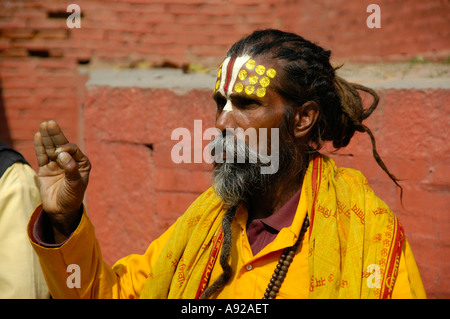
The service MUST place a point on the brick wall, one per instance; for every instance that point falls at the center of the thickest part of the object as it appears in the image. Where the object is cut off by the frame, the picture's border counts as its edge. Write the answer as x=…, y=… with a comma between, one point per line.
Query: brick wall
x=44, y=67
x=40, y=55
x=129, y=144
x=134, y=180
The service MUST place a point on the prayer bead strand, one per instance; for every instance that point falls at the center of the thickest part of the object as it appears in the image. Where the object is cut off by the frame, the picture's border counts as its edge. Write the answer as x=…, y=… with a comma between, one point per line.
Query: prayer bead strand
x=280, y=272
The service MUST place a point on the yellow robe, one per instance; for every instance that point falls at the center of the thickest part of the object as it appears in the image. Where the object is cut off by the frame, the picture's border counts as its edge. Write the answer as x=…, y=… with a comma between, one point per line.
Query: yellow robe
x=354, y=248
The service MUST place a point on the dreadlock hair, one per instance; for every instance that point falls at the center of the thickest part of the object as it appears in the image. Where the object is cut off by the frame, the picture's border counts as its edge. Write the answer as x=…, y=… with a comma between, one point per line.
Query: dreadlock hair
x=307, y=75
x=224, y=256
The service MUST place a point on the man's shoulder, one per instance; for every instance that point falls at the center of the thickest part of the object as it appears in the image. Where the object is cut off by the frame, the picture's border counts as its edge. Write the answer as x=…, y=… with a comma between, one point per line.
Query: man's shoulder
x=348, y=182
x=340, y=172
x=19, y=176
x=205, y=202
x=351, y=176
x=207, y=197
x=344, y=176
x=358, y=192
x=8, y=157
x=203, y=212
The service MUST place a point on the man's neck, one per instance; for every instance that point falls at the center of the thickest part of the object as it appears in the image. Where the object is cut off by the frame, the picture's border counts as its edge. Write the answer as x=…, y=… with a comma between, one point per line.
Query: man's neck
x=265, y=204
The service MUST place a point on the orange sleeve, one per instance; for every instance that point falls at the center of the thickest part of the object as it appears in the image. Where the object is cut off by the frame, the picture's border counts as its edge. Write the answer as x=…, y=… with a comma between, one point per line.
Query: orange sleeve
x=76, y=268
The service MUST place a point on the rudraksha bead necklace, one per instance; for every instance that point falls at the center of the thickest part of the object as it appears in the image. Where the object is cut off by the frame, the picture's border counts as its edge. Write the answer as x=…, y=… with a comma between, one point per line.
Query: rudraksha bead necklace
x=285, y=261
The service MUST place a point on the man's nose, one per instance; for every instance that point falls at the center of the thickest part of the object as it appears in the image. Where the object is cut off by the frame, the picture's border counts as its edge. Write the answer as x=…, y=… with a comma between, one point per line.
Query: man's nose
x=225, y=120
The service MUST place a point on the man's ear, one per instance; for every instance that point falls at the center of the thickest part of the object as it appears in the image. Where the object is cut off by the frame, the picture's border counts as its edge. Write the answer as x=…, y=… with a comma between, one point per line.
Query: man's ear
x=305, y=118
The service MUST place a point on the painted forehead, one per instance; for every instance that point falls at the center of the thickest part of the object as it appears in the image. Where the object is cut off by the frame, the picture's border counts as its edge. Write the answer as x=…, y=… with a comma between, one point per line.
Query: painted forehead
x=243, y=74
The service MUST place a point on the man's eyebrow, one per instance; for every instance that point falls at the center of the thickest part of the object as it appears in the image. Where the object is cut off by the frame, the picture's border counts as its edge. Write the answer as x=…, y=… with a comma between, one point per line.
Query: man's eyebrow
x=238, y=98
x=244, y=99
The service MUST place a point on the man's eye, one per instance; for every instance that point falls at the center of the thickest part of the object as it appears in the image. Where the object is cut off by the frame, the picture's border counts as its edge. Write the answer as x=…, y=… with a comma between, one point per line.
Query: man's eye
x=247, y=103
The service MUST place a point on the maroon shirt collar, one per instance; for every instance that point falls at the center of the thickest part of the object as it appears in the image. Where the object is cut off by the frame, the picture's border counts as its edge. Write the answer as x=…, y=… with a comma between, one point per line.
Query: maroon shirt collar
x=285, y=215
x=261, y=232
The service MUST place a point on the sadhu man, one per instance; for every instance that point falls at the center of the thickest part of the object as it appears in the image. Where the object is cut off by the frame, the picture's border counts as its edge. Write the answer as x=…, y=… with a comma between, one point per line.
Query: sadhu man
x=307, y=230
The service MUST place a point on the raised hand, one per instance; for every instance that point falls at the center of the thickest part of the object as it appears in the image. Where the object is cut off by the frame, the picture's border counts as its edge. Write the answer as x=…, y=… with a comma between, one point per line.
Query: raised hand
x=63, y=178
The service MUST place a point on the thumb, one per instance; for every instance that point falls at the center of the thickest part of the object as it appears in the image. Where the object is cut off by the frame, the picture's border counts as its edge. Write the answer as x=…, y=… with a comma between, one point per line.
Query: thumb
x=69, y=165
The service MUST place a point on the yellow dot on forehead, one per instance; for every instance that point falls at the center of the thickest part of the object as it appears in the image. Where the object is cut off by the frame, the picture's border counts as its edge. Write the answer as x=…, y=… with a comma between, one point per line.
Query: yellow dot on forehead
x=265, y=81
x=261, y=92
x=260, y=69
x=249, y=89
x=271, y=73
x=238, y=87
x=242, y=74
x=253, y=79
x=217, y=84
x=250, y=64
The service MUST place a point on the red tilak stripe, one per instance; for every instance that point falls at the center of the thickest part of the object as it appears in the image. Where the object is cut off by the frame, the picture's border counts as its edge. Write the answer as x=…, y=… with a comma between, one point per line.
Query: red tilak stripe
x=229, y=68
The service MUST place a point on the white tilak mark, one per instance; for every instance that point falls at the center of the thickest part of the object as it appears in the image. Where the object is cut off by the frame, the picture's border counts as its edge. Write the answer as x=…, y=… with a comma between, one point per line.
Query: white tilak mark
x=228, y=106
x=236, y=68
x=223, y=76
x=238, y=63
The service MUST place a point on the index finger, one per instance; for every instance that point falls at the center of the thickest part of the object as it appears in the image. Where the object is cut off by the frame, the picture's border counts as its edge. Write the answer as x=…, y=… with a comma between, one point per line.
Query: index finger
x=40, y=150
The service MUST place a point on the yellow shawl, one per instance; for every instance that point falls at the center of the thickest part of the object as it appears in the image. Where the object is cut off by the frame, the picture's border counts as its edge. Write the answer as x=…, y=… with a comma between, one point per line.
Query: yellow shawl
x=354, y=250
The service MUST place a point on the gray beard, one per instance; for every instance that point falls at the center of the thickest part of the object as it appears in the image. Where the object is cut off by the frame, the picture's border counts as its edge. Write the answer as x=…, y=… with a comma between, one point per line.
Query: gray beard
x=235, y=182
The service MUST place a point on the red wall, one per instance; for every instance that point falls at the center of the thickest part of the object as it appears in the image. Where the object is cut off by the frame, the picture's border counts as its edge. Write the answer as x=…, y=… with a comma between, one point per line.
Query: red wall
x=136, y=192
x=42, y=76
x=136, y=33
x=123, y=33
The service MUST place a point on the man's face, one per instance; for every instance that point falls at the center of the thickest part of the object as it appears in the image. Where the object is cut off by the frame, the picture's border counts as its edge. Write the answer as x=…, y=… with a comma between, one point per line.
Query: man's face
x=244, y=95
x=246, y=100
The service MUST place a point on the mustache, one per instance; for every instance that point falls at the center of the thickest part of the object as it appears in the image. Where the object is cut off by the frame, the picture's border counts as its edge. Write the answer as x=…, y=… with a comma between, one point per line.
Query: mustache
x=228, y=148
